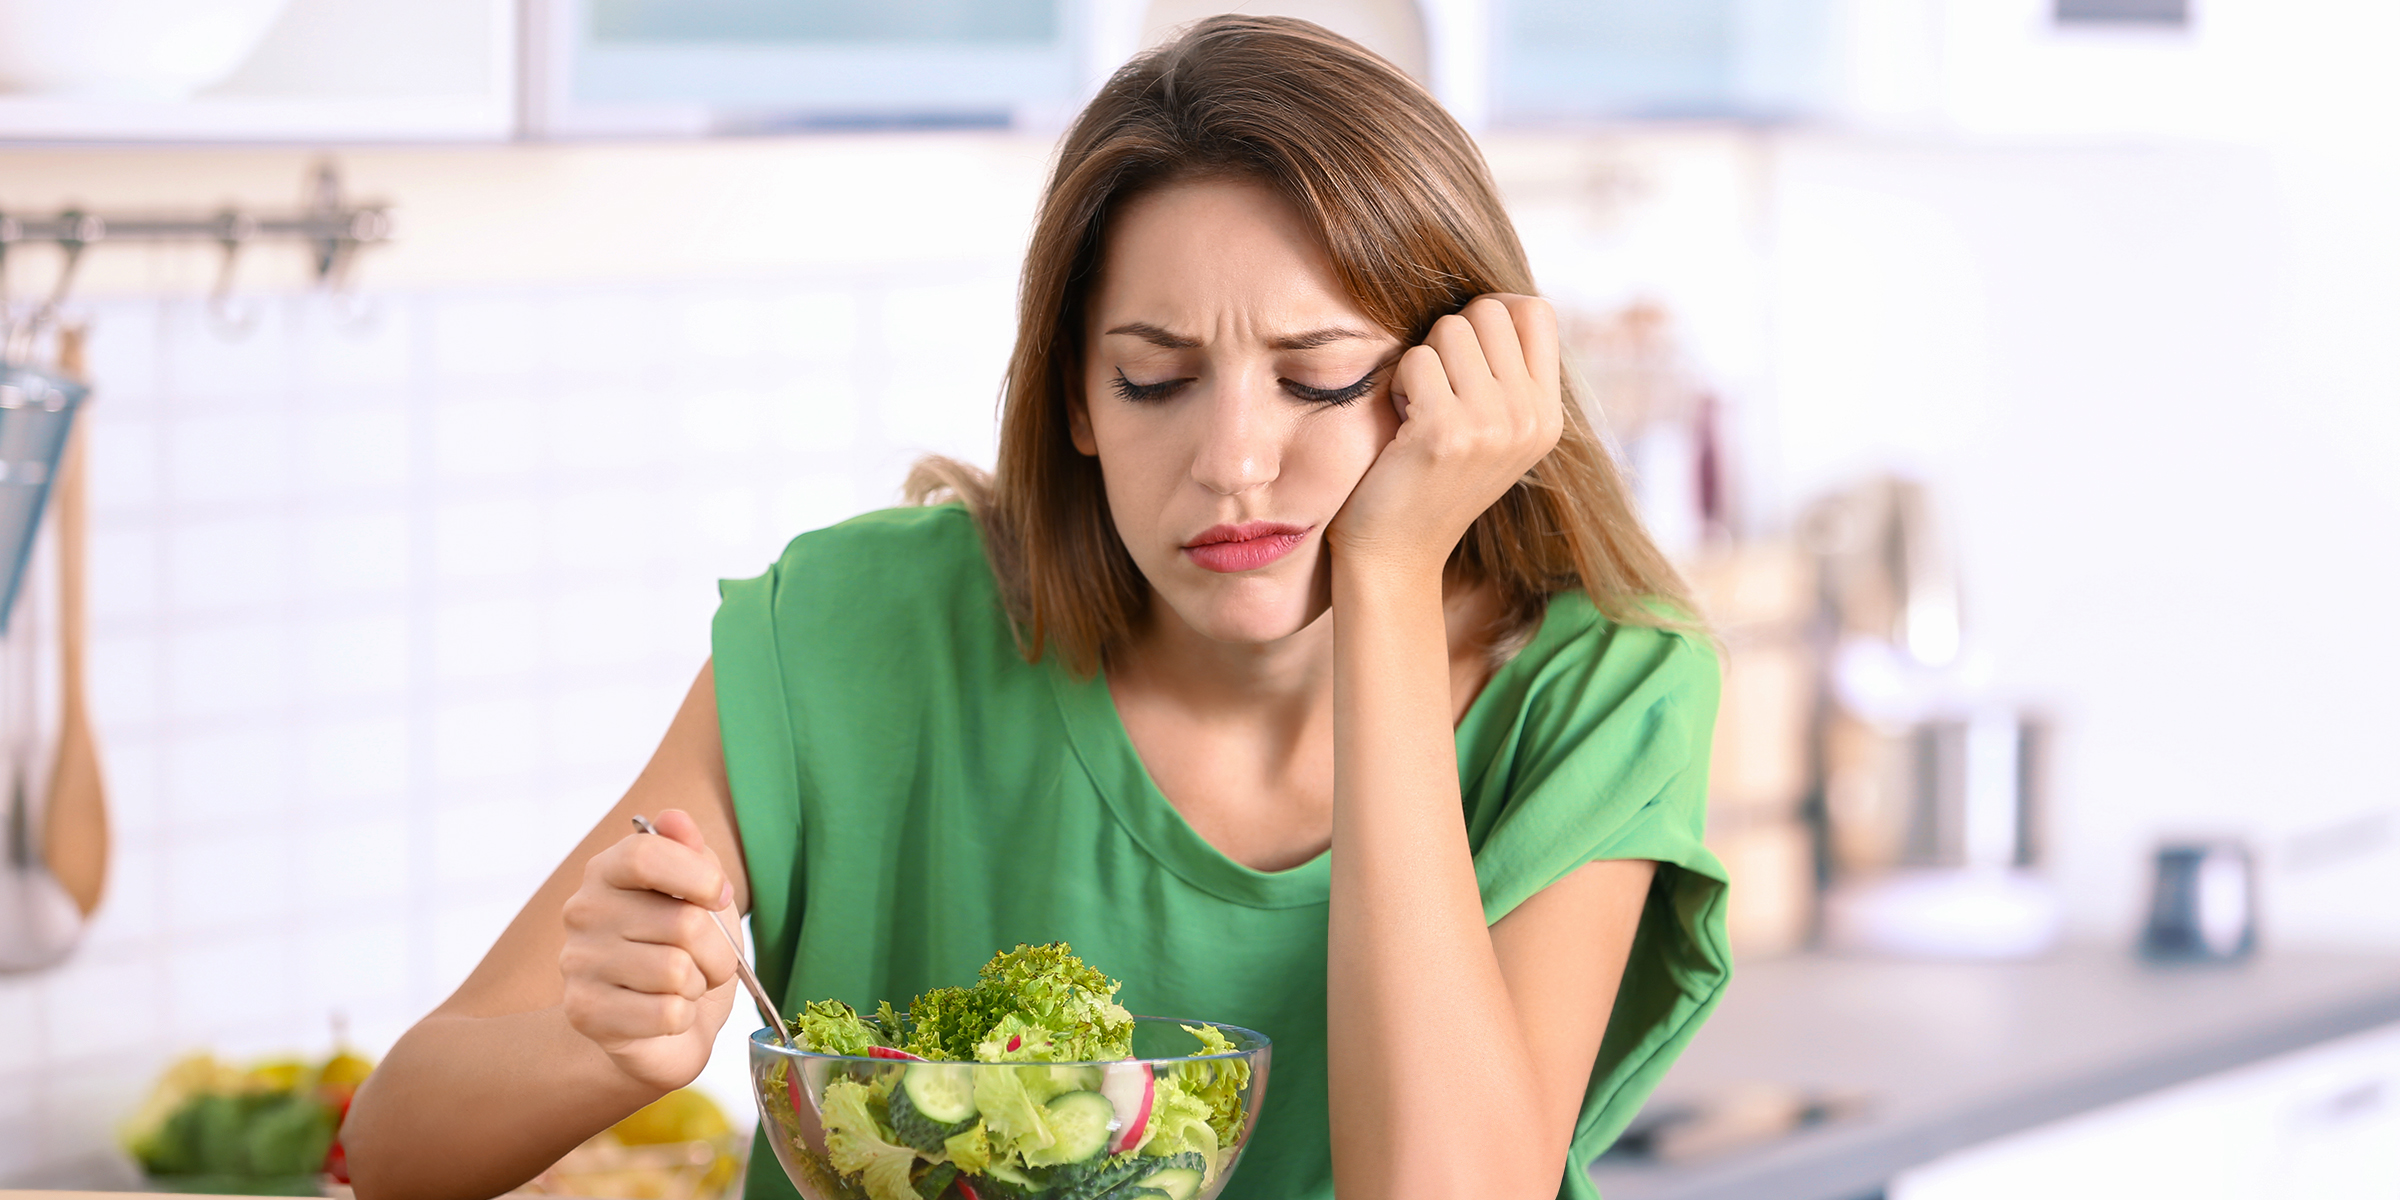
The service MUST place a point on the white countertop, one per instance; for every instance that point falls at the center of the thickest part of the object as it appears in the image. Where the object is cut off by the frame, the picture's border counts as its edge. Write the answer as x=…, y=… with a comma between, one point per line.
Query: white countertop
x=1949, y=1055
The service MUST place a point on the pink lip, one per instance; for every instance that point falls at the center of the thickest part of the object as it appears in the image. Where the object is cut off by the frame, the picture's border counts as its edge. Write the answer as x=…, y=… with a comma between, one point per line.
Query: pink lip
x=1244, y=547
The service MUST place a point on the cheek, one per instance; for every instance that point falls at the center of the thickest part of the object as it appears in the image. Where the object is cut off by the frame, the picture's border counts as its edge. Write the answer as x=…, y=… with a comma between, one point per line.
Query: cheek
x=1336, y=446
x=1138, y=455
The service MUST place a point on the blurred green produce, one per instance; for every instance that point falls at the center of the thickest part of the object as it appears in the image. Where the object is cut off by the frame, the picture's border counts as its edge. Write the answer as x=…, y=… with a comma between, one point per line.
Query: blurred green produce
x=266, y=1130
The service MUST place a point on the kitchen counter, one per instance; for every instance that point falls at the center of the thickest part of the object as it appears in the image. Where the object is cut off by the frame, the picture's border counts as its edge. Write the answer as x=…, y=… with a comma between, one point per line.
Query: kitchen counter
x=1944, y=1056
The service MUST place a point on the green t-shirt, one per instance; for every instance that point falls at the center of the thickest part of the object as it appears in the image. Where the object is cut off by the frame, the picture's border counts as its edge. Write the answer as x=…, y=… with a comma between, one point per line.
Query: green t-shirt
x=914, y=796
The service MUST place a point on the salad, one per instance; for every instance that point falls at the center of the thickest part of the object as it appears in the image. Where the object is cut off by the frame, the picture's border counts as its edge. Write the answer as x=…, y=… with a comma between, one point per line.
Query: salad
x=1075, y=1118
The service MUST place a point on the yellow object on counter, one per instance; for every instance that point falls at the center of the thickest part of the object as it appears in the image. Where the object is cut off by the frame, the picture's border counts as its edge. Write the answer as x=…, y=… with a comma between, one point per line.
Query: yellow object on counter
x=677, y=1147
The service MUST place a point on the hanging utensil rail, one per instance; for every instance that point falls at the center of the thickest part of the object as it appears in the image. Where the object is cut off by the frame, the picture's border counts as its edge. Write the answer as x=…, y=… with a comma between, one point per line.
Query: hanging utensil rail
x=333, y=228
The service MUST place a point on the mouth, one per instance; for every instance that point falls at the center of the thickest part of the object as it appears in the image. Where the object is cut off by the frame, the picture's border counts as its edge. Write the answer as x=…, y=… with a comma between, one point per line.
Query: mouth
x=1228, y=549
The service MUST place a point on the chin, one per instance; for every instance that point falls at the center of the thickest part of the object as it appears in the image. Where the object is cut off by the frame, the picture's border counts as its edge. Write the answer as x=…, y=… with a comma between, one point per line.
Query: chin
x=1246, y=613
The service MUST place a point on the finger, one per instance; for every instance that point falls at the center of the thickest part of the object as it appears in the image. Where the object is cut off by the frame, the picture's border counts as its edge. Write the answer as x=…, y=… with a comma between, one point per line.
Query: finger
x=1420, y=385
x=1454, y=339
x=1496, y=336
x=678, y=825
x=658, y=920
x=615, y=1015
x=660, y=864
x=637, y=967
x=1537, y=331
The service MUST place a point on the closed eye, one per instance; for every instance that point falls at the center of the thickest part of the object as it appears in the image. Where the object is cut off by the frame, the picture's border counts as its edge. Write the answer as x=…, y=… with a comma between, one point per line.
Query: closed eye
x=1346, y=394
x=1141, y=393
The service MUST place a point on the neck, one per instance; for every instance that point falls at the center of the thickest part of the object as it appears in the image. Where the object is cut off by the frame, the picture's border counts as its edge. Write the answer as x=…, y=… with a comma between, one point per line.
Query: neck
x=1166, y=656
x=1285, y=679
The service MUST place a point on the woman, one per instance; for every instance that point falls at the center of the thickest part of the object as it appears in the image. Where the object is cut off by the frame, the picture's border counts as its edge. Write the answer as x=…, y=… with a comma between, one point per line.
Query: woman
x=1301, y=664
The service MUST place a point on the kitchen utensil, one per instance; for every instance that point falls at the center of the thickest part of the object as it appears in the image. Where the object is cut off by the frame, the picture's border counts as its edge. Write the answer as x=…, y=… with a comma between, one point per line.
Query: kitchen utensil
x=37, y=408
x=792, y=1088
x=2203, y=903
x=1936, y=824
x=741, y=961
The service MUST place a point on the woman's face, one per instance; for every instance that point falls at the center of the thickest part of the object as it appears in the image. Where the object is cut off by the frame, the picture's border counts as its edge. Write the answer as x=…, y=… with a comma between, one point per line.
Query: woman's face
x=1234, y=395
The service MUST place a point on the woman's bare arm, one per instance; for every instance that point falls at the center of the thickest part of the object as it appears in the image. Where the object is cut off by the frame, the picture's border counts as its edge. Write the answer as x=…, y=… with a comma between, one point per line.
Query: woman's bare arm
x=603, y=994
x=1490, y=1115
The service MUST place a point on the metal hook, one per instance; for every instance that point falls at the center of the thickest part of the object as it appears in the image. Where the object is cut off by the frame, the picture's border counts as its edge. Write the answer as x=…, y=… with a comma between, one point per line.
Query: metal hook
x=350, y=310
x=82, y=229
x=231, y=321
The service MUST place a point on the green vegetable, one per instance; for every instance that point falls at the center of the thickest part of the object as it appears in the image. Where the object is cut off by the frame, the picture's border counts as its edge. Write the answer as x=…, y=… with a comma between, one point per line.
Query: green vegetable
x=1219, y=1084
x=936, y=1178
x=245, y=1135
x=972, y=1151
x=1081, y=1122
x=933, y=1101
x=1039, y=1128
x=1179, y=1183
x=946, y=1023
x=1179, y=1124
x=1013, y=1117
x=856, y=1146
x=832, y=1027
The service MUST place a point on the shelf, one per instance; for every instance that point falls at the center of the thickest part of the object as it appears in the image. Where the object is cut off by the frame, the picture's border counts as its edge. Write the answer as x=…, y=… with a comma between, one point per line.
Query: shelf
x=32, y=119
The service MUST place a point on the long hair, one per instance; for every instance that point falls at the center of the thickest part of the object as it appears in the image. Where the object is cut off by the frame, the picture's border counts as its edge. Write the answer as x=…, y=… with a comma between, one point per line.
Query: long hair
x=1406, y=209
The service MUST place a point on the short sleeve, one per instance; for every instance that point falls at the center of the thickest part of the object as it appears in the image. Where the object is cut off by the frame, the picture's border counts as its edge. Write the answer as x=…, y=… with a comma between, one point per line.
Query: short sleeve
x=1608, y=758
x=1604, y=755
x=761, y=762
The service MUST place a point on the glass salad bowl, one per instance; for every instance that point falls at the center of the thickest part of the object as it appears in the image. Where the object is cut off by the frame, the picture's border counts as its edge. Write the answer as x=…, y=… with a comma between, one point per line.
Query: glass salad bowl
x=1169, y=1123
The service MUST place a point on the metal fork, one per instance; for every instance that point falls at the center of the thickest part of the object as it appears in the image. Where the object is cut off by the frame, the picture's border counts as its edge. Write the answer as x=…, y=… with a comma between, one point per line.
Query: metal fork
x=741, y=961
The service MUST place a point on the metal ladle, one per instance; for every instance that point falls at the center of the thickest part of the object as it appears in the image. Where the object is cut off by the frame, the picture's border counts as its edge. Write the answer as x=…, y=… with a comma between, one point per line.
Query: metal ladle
x=741, y=961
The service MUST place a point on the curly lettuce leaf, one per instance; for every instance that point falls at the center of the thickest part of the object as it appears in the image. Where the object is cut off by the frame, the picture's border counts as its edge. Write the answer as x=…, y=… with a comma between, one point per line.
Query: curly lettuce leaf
x=945, y=1023
x=1044, y=987
x=1014, y=1118
x=1179, y=1122
x=857, y=1146
x=970, y=1150
x=832, y=1027
x=1219, y=1084
x=1016, y=1039
x=1048, y=986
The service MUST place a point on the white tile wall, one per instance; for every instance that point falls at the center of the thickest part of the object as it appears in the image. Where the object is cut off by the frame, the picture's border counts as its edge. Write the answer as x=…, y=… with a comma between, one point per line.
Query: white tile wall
x=385, y=612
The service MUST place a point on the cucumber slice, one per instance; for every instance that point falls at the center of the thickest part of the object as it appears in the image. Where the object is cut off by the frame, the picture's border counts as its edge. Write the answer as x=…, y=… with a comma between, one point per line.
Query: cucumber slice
x=1082, y=1122
x=1178, y=1183
x=943, y=1092
x=935, y=1181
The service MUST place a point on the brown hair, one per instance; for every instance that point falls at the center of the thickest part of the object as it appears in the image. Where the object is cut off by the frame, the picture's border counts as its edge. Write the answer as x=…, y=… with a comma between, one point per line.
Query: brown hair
x=1408, y=213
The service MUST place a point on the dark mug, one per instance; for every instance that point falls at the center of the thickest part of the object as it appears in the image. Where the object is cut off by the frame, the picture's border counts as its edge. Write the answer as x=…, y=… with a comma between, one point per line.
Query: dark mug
x=2203, y=903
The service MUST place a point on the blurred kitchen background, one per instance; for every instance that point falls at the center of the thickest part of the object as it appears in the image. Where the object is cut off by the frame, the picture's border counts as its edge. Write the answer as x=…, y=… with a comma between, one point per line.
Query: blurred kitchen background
x=2015, y=377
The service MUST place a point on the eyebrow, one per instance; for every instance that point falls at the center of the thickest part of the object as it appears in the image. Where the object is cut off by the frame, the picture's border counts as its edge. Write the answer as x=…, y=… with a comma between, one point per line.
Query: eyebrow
x=1299, y=341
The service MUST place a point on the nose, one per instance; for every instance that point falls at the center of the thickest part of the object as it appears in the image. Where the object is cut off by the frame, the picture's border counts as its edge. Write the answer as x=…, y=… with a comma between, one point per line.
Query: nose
x=1240, y=447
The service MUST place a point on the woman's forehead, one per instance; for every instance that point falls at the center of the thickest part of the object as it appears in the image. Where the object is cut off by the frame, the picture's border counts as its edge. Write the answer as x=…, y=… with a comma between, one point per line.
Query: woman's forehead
x=1191, y=261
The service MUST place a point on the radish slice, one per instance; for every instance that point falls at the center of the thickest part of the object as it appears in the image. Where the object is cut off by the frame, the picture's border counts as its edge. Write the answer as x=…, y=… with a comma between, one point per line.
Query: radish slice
x=888, y=1052
x=1130, y=1087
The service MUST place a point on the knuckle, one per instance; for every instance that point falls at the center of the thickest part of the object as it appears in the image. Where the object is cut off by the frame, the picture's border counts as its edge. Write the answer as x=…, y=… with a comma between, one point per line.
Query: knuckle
x=667, y=1013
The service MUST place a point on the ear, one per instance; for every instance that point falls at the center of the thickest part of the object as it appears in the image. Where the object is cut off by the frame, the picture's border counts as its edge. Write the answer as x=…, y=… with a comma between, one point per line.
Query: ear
x=1079, y=426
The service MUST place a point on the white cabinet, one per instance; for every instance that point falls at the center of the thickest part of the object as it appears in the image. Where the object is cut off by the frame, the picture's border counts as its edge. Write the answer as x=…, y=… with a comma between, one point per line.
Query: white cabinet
x=323, y=71
x=2319, y=1124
